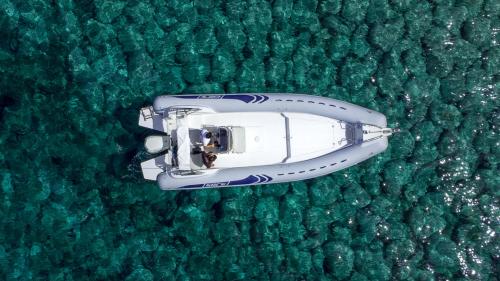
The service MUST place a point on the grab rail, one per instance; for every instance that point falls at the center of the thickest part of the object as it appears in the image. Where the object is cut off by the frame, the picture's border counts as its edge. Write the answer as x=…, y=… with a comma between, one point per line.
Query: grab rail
x=287, y=137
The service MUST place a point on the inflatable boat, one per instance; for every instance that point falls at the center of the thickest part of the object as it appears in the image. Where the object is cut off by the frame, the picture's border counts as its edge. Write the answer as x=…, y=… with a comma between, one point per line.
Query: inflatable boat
x=256, y=138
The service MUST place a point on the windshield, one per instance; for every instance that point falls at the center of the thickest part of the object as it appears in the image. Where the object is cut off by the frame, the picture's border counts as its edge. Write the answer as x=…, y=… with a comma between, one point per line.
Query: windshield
x=223, y=139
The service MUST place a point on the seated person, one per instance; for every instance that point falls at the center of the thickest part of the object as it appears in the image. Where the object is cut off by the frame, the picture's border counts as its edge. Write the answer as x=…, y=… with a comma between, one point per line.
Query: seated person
x=206, y=137
x=212, y=147
x=215, y=144
x=208, y=159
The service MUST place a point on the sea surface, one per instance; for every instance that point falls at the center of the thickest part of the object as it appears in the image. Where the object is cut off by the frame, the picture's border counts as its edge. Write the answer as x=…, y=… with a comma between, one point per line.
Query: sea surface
x=74, y=206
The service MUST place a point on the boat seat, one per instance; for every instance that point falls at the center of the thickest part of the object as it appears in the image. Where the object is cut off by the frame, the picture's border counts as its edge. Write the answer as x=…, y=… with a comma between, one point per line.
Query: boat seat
x=197, y=162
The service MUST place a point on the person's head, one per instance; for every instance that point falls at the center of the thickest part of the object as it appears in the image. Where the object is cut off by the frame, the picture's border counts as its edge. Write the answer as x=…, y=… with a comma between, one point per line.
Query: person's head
x=212, y=157
x=208, y=135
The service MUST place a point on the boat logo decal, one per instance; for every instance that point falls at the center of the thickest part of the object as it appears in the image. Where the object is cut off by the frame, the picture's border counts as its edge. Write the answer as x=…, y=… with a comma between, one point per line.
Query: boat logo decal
x=216, y=184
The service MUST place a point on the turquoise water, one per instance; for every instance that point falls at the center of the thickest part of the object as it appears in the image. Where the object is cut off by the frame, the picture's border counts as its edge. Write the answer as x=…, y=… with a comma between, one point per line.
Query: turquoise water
x=73, y=75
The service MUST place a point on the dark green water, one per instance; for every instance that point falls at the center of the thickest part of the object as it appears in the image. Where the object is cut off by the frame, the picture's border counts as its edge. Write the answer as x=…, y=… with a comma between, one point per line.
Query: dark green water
x=73, y=75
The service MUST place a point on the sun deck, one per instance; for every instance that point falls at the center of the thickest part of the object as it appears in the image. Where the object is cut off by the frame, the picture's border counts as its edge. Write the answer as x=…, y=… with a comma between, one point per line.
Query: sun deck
x=311, y=136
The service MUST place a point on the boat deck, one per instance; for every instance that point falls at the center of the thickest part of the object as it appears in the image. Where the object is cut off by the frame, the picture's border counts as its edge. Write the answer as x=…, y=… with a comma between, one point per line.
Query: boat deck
x=265, y=137
x=271, y=138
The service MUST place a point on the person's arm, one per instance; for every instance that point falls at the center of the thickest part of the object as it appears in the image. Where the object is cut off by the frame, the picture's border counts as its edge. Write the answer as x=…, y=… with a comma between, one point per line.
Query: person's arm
x=204, y=158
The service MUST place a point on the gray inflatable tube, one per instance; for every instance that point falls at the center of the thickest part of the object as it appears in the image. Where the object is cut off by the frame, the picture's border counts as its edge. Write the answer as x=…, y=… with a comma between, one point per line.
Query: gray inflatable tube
x=283, y=172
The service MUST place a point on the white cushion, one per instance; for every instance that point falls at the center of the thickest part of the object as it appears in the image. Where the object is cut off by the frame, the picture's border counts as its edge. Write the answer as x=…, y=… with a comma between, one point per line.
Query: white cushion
x=183, y=148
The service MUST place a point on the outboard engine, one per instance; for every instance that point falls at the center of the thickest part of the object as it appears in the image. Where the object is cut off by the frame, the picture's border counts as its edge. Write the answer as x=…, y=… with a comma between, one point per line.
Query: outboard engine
x=157, y=144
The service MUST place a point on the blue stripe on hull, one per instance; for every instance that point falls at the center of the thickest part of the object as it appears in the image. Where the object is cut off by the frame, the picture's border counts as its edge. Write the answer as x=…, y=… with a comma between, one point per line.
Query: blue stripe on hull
x=243, y=97
x=252, y=179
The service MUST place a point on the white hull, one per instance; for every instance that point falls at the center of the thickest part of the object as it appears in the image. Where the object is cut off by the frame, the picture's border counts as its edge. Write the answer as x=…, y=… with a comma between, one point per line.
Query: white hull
x=271, y=138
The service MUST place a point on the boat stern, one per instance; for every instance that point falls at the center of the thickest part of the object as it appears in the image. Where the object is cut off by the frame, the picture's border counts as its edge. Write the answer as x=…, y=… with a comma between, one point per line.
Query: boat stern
x=153, y=167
